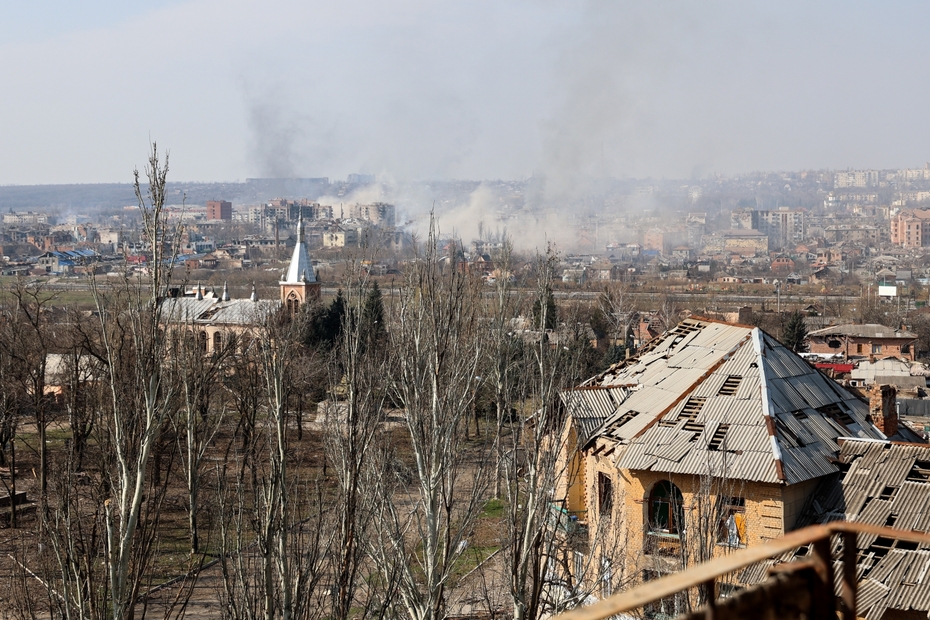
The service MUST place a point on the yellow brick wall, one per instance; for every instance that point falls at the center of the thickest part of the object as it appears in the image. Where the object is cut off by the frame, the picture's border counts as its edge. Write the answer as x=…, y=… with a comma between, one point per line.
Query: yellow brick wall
x=770, y=510
x=764, y=511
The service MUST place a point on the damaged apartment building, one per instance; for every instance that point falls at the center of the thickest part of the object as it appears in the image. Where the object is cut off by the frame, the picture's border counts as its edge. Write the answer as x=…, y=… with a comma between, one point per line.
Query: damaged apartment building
x=714, y=437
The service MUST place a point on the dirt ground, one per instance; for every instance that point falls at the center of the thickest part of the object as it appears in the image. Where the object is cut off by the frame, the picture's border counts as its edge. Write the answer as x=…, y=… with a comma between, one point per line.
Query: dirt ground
x=24, y=560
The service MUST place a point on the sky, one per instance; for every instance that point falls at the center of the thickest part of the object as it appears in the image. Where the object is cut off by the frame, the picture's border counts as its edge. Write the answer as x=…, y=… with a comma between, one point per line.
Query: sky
x=427, y=89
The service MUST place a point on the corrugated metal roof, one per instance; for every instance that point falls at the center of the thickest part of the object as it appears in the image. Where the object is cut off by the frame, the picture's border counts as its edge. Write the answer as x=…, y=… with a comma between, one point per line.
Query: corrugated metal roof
x=867, y=330
x=696, y=360
x=882, y=487
x=215, y=311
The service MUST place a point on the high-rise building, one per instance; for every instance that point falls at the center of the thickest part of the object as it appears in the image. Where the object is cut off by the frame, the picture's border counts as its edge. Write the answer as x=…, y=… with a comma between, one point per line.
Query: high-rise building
x=219, y=210
x=783, y=226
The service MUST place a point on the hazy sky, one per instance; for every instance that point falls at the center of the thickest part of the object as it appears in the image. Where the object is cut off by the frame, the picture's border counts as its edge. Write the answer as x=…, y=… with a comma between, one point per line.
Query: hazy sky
x=466, y=89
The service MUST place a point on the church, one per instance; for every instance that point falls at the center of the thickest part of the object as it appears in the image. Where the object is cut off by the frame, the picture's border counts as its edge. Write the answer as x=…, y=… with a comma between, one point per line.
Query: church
x=216, y=317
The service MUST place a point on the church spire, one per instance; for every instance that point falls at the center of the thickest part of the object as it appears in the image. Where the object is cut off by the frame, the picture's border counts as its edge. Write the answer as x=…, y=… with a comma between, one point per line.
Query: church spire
x=300, y=269
x=299, y=282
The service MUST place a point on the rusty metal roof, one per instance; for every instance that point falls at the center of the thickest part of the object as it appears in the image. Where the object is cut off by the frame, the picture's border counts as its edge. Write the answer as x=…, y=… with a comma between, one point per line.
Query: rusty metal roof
x=710, y=398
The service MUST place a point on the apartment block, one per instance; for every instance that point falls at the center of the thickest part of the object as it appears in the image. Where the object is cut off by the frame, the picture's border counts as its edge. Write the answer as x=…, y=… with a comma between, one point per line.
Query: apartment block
x=911, y=228
x=219, y=210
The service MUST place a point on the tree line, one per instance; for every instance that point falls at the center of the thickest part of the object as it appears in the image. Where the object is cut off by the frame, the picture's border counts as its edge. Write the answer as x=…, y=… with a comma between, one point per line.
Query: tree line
x=371, y=457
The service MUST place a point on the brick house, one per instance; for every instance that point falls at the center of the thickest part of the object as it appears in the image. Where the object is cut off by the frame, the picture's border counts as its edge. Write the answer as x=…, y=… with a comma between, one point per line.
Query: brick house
x=869, y=340
x=713, y=437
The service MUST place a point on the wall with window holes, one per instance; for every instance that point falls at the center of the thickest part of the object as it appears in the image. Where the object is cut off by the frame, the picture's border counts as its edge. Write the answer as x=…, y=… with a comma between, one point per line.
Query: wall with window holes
x=765, y=509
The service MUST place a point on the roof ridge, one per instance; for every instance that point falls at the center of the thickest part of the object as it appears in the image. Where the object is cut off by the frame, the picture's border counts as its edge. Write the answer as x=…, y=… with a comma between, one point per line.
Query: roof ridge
x=758, y=341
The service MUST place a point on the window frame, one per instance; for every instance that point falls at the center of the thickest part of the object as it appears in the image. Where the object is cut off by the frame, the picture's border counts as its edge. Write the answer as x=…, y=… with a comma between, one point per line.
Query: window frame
x=731, y=516
x=665, y=493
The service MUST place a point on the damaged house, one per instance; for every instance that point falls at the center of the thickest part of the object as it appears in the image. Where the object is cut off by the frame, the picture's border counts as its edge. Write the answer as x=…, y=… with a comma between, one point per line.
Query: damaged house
x=714, y=437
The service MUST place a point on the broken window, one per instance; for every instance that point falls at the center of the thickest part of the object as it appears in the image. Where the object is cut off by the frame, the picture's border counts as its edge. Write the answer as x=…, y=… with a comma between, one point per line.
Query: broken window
x=605, y=493
x=666, y=510
x=731, y=528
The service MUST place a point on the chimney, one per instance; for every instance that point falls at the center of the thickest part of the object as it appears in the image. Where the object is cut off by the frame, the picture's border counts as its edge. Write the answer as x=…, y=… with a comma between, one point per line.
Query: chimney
x=883, y=408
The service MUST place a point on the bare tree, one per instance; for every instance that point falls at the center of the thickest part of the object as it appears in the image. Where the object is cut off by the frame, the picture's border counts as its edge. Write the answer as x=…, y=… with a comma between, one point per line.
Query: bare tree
x=423, y=517
x=358, y=393
x=273, y=540
x=200, y=415
x=29, y=347
x=537, y=529
x=618, y=307
x=140, y=391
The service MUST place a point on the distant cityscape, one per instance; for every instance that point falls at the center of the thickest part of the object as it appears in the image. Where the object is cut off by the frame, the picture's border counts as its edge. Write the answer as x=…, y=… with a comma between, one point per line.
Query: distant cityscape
x=804, y=227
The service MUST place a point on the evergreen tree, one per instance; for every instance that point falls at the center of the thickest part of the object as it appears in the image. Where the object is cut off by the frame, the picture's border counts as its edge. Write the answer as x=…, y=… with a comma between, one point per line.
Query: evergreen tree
x=373, y=316
x=324, y=323
x=615, y=354
x=795, y=332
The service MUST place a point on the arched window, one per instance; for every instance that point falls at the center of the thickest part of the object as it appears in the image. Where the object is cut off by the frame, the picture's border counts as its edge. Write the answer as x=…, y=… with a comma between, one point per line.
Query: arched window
x=666, y=513
x=292, y=303
x=217, y=342
x=203, y=342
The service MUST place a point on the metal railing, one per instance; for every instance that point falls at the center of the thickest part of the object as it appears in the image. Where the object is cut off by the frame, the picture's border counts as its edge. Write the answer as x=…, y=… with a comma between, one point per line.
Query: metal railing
x=706, y=574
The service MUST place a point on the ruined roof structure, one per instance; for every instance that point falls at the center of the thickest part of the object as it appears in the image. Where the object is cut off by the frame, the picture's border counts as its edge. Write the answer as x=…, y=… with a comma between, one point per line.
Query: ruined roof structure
x=711, y=398
x=882, y=483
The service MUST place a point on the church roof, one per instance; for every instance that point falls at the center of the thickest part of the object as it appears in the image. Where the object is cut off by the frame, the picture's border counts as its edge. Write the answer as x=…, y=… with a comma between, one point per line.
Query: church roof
x=301, y=269
x=217, y=311
x=710, y=398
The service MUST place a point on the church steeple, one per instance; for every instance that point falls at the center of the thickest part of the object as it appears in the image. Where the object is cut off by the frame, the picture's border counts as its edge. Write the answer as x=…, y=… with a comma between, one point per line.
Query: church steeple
x=299, y=283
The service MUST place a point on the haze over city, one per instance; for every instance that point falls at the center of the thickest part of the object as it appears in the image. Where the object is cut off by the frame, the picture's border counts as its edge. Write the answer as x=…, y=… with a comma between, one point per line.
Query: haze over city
x=478, y=90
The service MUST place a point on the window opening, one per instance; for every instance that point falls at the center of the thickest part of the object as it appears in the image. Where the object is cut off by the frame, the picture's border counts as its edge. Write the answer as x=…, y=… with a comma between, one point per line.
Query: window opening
x=666, y=511
x=731, y=528
x=605, y=493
